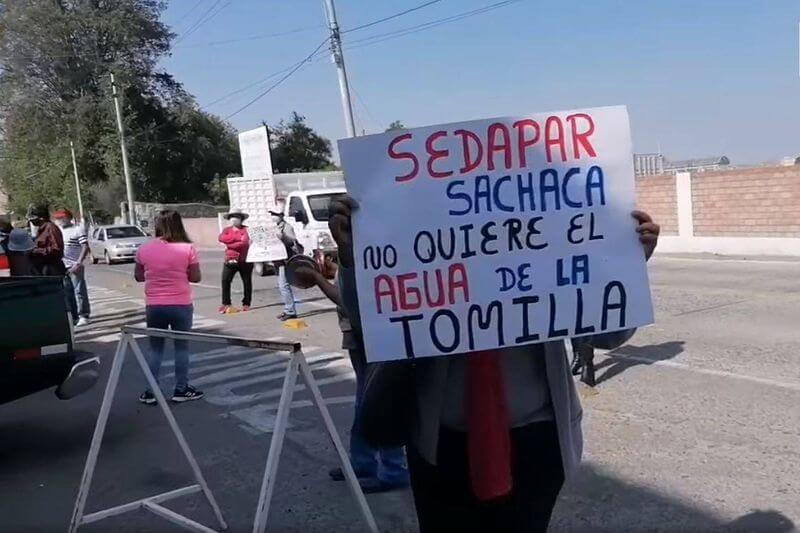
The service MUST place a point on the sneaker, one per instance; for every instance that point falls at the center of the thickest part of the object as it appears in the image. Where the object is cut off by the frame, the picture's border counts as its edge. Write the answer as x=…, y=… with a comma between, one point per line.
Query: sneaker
x=82, y=321
x=337, y=474
x=286, y=316
x=223, y=309
x=245, y=308
x=148, y=398
x=186, y=395
x=374, y=486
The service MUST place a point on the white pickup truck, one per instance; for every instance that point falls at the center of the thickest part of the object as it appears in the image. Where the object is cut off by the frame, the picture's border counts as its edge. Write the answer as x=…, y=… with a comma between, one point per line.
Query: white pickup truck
x=306, y=197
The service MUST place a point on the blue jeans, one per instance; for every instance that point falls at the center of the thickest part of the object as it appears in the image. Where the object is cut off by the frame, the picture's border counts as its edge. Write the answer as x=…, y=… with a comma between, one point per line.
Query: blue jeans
x=69, y=298
x=286, y=292
x=387, y=464
x=81, y=292
x=177, y=318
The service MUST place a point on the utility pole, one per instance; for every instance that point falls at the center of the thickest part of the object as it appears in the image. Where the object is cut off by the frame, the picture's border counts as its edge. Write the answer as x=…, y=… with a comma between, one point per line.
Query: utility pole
x=126, y=169
x=338, y=59
x=77, y=182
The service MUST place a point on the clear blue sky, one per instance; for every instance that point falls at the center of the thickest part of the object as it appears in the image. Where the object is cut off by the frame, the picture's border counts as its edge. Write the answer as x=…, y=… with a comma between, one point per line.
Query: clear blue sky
x=699, y=77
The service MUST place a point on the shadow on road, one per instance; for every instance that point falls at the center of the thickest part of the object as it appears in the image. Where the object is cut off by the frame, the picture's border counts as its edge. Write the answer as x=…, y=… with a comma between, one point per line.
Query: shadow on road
x=621, y=359
x=596, y=500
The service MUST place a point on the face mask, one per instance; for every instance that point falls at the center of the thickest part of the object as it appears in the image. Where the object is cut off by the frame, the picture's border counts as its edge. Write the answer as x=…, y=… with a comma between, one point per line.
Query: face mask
x=236, y=221
x=62, y=223
x=276, y=220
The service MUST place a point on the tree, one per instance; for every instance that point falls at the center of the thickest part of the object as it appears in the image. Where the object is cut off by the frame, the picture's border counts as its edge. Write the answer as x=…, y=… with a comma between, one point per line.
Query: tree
x=55, y=59
x=396, y=125
x=296, y=147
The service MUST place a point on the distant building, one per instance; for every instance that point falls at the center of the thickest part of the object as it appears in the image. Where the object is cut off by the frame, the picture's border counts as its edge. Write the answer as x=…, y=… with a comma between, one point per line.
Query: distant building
x=648, y=164
x=654, y=164
x=697, y=165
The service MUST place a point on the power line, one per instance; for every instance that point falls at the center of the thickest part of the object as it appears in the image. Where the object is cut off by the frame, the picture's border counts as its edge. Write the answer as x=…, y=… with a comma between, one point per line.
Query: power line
x=390, y=17
x=294, y=69
x=189, y=12
x=380, y=37
x=204, y=18
x=252, y=37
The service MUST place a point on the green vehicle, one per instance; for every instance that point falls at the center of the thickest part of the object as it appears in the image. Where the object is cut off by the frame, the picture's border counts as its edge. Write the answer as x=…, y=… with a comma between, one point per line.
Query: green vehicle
x=36, y=341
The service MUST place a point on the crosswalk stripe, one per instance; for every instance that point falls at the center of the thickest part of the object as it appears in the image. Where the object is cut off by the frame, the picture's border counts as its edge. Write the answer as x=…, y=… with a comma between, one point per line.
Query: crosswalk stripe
x=224, y=372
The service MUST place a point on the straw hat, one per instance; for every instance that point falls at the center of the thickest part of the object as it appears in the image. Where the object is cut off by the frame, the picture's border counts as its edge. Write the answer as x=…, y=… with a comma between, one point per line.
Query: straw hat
x=235, y=213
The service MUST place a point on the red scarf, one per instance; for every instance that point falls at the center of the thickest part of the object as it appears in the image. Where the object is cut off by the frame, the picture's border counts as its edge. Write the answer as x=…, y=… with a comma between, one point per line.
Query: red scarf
x=489, y=440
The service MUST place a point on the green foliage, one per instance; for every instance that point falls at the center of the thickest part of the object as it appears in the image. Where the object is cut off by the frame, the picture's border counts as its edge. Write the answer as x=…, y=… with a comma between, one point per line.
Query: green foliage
x=298, y=148
x=55, y=61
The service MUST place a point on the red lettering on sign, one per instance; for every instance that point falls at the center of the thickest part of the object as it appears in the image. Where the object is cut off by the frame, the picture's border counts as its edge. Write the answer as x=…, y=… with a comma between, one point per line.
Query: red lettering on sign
x=386, y=290
x=554, y=136
x=469, y=163
x=498, y=146
x=404, y=155
x=523, y=143
x=581, y=138
x=436, y=154
x=405, y=291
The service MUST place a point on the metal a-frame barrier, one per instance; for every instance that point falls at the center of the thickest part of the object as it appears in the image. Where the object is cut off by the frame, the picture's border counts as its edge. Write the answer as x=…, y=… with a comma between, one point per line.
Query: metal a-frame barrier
x=297, y=365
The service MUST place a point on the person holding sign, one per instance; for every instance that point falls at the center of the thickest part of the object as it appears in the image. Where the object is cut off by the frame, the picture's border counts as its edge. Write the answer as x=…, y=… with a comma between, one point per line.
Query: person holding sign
x=293, y=247
x=378, y=469
x=476, y=250
x=237, y=241
x=496, y=432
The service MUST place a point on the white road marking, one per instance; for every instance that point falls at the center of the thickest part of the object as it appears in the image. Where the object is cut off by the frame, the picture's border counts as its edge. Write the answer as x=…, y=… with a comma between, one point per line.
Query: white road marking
x=224, y=372
x=112, y=309
x=786, y=262
x=793, y=386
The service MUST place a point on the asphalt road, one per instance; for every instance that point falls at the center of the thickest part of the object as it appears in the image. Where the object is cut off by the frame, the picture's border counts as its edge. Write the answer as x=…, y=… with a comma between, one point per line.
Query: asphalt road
x=694, y=425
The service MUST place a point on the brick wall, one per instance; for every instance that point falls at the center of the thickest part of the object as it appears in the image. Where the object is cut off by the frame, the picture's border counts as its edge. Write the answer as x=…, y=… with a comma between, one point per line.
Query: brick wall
x=656, y=195
x=748, y=202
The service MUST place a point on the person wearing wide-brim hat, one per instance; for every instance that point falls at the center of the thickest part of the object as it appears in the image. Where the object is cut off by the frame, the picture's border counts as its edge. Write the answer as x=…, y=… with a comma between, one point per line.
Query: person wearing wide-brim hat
x=237, y=242
x=234, y=214
x=18, y=249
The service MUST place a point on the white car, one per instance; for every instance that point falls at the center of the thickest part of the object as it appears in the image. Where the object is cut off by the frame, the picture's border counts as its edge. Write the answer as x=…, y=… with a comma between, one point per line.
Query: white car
x=116, y=243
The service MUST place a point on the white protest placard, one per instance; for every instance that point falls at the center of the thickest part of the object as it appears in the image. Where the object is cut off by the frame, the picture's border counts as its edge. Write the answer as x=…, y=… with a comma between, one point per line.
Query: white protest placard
x=255, y=154
x=494, y=233
x=265, y=244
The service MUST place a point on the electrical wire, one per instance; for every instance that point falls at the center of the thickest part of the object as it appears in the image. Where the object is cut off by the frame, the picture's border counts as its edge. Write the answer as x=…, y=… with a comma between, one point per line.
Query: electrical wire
x=374, y=39
x=390, y=17
x=189, y=12
x=251, y=37
x=294, y=69
x=208, y=15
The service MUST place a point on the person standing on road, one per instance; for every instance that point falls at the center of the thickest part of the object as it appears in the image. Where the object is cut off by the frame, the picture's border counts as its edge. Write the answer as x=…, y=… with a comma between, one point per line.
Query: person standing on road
x=48, y=252
x=18, y=250
x=167, y=265
x=293, y=247
x=76, y=250
x=378, y=469
x=5, y=265
x=495, y=434
x=47, y=256
x=237, y=241
x=583, y=361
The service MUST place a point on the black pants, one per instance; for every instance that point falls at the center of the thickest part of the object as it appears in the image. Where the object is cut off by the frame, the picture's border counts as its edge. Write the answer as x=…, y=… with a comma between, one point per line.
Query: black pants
x=443, y=494
x=245, y=270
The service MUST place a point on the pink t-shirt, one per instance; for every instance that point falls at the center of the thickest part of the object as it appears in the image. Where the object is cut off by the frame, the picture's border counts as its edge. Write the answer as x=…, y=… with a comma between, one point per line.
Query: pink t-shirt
x=166, y=271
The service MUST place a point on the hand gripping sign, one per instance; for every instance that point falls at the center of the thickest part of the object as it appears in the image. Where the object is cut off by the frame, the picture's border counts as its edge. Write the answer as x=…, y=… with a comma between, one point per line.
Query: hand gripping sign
x=495, y=233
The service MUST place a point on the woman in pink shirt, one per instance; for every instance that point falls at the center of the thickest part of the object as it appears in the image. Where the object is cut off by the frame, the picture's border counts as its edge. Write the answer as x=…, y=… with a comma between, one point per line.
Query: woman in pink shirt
x=167, y=265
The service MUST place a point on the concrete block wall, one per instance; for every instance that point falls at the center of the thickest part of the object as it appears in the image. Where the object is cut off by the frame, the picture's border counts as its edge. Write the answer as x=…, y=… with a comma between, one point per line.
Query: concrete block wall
x=746, y=211
x=758, y=202
x=656, y=195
